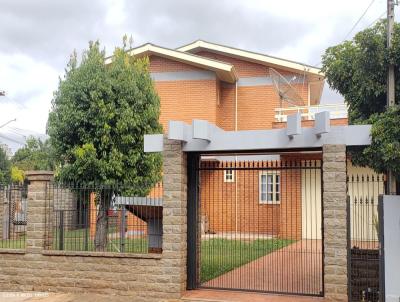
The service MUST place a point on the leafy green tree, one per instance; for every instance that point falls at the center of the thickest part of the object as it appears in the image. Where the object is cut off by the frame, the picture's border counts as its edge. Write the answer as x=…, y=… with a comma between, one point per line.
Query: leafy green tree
x=4, y=167
x=99, y=116
x=357, y=69
x=17, y=175
x=35, y=155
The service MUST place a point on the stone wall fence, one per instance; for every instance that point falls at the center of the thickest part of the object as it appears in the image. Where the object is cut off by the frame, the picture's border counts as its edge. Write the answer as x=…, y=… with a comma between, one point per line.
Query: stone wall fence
x=146, y=277
x=152, y=276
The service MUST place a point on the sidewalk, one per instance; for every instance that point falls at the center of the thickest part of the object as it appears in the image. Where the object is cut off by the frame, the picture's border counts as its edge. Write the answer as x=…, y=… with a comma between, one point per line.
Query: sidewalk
x=58, y=297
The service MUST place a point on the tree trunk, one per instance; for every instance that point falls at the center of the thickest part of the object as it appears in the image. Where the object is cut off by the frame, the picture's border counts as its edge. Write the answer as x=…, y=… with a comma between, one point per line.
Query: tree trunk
x=100, y=239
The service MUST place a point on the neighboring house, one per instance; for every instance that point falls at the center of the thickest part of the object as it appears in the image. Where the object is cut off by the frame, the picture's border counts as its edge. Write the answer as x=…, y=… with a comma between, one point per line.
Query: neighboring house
x=6, y=149
x=233, y=89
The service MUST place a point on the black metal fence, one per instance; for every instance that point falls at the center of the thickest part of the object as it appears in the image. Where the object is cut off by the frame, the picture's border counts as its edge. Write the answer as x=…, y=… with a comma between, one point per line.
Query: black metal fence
x=363, y=229
x=13, y=216
x=260, y=224
x=103, y=219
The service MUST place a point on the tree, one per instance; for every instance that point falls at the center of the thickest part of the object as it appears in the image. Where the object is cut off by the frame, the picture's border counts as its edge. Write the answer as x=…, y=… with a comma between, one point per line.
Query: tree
x=357, y=69
x=35, y=155
x=99, y=116
x=4, y=167
x=17, y=175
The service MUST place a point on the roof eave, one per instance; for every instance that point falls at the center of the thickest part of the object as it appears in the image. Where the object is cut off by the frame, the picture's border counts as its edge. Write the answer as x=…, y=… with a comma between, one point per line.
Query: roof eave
x=250, y=56
x=224, y=71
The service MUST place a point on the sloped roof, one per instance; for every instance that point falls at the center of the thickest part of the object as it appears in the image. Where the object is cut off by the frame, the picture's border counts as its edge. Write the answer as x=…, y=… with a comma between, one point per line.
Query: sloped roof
x=259, y=58
x=224, y=71
x=314, y=75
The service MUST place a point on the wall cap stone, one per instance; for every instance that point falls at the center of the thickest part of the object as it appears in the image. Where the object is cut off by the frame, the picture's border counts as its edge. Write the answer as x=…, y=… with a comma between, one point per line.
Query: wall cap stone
x=12, y=251
x=39, y=175
x=101, y=254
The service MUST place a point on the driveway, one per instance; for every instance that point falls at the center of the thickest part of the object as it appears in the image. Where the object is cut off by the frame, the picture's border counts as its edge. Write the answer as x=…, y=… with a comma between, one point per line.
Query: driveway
x=295, y=269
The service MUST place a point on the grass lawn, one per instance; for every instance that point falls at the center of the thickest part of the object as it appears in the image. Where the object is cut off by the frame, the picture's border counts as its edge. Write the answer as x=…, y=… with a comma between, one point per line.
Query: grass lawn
x=79, y=240
x=219, y=256
x=75, y=240
x=13, y=243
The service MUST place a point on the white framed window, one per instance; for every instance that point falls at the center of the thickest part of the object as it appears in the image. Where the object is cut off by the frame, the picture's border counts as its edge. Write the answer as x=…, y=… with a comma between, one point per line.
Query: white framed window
x=229, y=175
x=270, y=187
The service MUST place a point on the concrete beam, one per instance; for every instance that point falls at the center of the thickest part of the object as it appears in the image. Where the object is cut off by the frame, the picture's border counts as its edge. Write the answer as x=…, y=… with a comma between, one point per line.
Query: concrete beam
x=209, y=138
x=293, y=125
x=153, y=143
x=178, y=130
x=322, y=123
x=201, y=130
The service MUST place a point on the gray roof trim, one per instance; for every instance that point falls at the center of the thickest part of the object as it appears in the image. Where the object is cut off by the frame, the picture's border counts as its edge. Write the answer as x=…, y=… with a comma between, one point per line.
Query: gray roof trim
x=183, y=75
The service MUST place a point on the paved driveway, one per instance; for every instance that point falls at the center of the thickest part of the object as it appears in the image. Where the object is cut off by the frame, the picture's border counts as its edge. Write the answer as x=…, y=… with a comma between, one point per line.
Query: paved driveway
x=296, y=269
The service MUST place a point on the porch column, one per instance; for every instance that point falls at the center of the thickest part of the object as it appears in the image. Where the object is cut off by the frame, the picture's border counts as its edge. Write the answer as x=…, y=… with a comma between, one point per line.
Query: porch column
x=335, y=220
x=38, y=196
x=174, y=214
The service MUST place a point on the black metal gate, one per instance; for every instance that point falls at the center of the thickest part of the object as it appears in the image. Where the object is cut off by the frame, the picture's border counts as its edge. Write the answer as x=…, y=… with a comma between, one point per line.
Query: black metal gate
x=13, y=216
x=259, y=223
x=363, y=235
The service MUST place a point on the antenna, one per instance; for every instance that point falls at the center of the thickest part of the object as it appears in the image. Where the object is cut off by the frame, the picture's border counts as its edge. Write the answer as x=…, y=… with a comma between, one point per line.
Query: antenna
x=284, y=89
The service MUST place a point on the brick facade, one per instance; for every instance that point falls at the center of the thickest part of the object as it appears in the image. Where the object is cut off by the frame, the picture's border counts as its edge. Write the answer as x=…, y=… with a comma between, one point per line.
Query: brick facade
x=235, y=206
x=214, y=101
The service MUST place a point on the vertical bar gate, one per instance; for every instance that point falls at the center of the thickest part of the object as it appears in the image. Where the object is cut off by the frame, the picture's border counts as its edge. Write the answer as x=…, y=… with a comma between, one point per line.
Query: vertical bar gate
x=258, y=224
x=364, y=188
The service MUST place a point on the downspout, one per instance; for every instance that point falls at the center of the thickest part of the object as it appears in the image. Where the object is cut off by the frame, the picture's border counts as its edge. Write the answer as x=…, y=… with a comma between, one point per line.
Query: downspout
x=236, y=174
x=308, y=101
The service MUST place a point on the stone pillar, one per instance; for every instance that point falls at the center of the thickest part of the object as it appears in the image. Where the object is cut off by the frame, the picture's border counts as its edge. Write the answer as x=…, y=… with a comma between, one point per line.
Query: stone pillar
x=3, y=201
x=335, y=222
x=38, y=197
x=174, y=214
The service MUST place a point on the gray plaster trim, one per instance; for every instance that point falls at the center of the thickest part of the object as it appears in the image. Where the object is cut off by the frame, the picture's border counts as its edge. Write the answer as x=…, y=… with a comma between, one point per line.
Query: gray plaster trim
x=274, y=139
x=242, y=158
x=355, y=135
x=266, y=80
x=183, y=75
x=254, y=81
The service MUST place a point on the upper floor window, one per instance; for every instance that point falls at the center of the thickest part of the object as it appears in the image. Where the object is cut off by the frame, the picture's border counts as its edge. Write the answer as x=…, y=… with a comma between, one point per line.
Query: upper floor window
x=229, y=175
x=270, y=183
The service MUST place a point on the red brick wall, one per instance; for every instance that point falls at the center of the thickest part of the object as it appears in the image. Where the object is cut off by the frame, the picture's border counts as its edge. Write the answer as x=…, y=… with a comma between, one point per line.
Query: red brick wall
x=256, y=104
x=159, y=64
x=245, y=214
x=234, y=206
x=184, y=100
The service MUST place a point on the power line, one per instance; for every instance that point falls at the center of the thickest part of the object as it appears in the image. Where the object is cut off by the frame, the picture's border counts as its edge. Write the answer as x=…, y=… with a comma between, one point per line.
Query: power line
x=11, y=139
x=359, y=19
x=20, y=105
x=372, y=23
x=377, y=19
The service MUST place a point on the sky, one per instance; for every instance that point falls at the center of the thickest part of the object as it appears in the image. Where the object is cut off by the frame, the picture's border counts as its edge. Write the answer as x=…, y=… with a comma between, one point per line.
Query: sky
x=37, y=38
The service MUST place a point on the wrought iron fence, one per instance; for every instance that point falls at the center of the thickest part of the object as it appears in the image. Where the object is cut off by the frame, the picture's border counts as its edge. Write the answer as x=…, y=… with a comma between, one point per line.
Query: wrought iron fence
x=260, y=224
x=363, y=228
x=104, y=219
x=13, y=216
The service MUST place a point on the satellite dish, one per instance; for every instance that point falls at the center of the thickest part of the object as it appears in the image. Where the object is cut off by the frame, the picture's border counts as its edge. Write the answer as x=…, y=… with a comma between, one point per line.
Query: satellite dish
x=284, y=89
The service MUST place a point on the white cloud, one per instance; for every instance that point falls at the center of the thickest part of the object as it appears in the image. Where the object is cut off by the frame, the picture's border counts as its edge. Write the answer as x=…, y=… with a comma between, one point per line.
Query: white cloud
x=37, y=38
x=29, y=86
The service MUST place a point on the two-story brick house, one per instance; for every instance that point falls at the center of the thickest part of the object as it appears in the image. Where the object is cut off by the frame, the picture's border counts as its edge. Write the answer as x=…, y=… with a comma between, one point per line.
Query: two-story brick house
x=233, y=89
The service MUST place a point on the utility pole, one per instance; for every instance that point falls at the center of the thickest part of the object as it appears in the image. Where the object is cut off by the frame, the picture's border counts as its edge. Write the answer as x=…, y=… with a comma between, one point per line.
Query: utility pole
x=391, y=180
